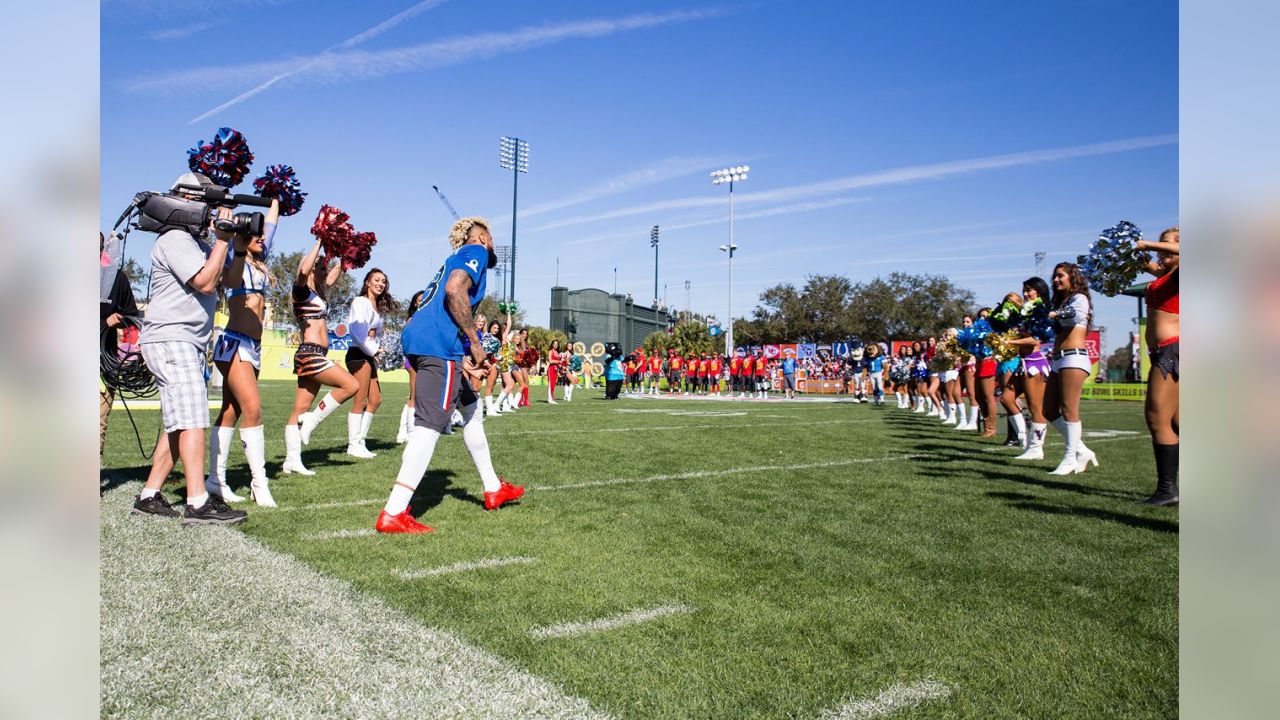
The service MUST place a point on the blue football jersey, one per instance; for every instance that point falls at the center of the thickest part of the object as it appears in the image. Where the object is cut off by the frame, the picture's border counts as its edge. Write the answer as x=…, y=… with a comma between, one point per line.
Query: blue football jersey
x=431, y=331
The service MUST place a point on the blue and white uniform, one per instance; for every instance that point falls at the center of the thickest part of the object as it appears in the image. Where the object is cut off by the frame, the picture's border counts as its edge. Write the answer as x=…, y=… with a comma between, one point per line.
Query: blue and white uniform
x=232, y=343
x=433, y=342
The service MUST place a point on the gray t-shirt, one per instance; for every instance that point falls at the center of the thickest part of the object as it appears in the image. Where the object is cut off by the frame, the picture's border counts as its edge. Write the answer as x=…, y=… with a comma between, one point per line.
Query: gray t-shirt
x=176, y=312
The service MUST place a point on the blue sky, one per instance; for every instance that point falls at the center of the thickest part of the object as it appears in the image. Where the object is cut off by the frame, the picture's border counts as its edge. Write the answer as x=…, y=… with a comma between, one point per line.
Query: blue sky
x=928, y=137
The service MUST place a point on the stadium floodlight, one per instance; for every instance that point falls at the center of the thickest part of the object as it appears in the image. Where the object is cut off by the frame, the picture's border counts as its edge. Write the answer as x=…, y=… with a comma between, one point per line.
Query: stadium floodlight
x=730, y=175
x=653, y=243
x=513, y=155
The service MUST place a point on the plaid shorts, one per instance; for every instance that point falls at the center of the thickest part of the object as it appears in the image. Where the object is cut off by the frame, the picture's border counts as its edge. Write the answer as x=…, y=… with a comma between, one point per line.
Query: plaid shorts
x=184, y=396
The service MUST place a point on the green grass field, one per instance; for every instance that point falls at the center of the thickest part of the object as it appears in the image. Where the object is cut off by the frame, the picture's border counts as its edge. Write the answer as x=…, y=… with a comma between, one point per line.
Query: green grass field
x=797, y=555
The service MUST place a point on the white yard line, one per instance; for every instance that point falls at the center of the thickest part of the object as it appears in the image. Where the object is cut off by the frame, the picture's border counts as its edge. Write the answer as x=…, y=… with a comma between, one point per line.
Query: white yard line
x=462, y=567
x=340, y=534
x=650, y=428
x=728, y=471
x=609, y=623
x=889, y=701
x=277, y=638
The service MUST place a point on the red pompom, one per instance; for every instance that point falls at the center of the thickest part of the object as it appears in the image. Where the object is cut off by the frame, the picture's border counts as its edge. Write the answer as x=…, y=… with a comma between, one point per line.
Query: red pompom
x=358, y=250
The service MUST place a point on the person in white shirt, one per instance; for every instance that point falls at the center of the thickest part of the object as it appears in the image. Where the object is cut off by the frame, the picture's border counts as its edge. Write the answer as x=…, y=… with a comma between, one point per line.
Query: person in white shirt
x=364, y=323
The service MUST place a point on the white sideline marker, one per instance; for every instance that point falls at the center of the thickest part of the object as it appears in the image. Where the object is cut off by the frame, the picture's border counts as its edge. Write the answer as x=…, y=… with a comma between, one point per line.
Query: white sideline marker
x=889, y=701
x=632, y=618
x=716, y=426
x=462, y=567
x=729, y=471
x=340, y=534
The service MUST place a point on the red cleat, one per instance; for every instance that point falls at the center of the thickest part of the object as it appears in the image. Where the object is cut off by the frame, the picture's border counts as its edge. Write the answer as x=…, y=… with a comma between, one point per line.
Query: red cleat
x=505, y=493
x=402, y=523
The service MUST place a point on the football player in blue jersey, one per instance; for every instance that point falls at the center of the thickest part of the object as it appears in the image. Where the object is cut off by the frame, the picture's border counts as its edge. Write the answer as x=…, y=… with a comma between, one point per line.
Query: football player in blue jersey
x=442, y=344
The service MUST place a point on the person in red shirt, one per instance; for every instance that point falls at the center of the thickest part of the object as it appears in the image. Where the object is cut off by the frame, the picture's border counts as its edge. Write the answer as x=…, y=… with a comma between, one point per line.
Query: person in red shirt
x=746, y=376
x=716, y=368
x=700, y=376
x=762, y=374
x=735, y=365
x=655, y=373
x=631, y=374
x=675, y=366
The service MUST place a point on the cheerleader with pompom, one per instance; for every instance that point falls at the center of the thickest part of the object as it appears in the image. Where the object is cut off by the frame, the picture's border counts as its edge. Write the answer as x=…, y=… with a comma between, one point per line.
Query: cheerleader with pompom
x=1072, y=314
x=525, y=360
x=491, y=338
x=1035, y=346
x=967, y=383
x=316, y=274
x=1162, y=381
x=238, y=356
x=934, y=389
x=1007, y=318
x=986, y=373
x=950, y=378
x=919, y=378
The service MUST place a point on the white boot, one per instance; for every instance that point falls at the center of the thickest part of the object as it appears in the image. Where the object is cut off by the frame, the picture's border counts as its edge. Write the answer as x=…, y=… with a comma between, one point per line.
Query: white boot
x=1035, y=443
x=354, y=448
x=1084, y=456
x=366, y=422
x=568, y=392
x=953, y=414
x=406, y=420
x=219, y=447
x=293, y=452
x=1069, y=458
x=255, y=452
x=309, y=421
x=1020, y=424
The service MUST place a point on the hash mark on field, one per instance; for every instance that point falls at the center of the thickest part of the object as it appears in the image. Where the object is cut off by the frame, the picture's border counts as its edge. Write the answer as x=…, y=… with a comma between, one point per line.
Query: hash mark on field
x=339, y=534
x=461, y=567
x=729, y=471
x=609, y=623
x=889, y=701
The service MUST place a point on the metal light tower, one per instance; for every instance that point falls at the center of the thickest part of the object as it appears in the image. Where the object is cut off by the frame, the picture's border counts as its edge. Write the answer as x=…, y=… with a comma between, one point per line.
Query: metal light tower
x=653, y=242
x=513, y=155
x=720, y=177
x=687, y=285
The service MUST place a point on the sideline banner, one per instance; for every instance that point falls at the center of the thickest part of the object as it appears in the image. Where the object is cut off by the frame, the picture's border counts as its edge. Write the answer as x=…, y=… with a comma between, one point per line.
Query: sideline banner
x=1114, y=391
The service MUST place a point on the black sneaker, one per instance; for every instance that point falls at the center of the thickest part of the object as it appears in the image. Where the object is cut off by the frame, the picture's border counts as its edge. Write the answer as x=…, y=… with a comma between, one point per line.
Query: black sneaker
x=1013, y=442
x=213, y=512
x=154, y=505
x=1162, y=498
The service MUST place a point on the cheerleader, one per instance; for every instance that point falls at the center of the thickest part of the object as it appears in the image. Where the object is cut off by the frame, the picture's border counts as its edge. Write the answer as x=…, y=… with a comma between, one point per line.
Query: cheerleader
x=1035, y=346
x=986, y=374
x=1162, y=380
x=364, y=322
x=1009, y=372
x=950, y=394
x=406, y=412
x=238, y=356
x=506, y=402
x=1071, y=316
x=969, y=380
x=553, y=371
x=899, y=375
x=524, y=363
x=311, y=361
x=492, y=338
x=933, y=390
x=919, y=378
x=572, y=368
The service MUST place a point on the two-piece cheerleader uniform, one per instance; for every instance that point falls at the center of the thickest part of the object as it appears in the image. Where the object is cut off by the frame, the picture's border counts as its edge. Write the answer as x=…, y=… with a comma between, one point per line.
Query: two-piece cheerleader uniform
x=310, y=358
x=1074, y=313
x=1036, y=324
x=364, y=322
x=1162, y=294
x=233, y=343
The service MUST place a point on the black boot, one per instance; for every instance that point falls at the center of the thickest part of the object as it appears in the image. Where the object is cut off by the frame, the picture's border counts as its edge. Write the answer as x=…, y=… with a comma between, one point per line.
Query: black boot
x=1011, y=432
x=1166, y=475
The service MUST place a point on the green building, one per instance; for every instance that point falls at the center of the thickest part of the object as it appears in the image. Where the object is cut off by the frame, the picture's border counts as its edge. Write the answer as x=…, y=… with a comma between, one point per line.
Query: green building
x=590, y=316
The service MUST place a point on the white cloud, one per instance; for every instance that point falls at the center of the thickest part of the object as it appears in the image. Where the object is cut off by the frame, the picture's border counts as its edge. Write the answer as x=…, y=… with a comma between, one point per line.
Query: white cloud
x=341, y=64
x=179, y=33
x=895, y=176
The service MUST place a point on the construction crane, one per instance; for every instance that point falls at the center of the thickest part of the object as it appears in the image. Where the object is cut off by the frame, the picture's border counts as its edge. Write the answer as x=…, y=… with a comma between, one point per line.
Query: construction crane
x=446, y=202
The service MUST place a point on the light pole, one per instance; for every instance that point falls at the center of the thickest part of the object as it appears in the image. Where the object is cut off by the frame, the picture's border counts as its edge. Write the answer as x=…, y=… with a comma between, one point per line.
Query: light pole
x=687, y=285
x=653, y=242
x=513, y=155
x=720, y=177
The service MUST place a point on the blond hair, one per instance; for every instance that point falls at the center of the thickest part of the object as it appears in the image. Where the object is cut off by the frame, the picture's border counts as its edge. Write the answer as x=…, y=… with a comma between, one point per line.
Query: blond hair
x=1170, y=231
x=461, y=230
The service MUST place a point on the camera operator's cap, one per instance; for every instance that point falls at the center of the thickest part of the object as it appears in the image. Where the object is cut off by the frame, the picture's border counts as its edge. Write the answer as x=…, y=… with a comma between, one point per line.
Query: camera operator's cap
x=192, y=179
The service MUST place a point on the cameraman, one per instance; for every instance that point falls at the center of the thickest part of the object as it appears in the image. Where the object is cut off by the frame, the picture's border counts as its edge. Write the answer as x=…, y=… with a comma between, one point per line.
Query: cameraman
x=175, y=332
x=115, y=310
